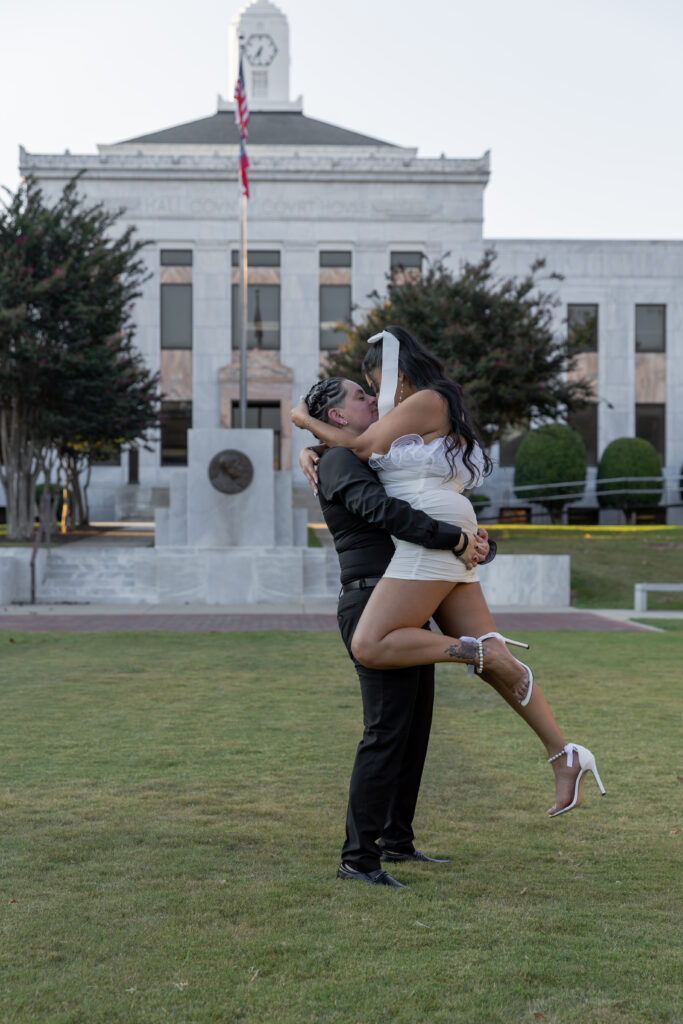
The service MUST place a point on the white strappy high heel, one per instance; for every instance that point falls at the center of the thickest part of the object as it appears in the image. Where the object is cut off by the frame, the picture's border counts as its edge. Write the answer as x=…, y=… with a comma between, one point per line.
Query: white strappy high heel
x=471, y=669
x=586, y=764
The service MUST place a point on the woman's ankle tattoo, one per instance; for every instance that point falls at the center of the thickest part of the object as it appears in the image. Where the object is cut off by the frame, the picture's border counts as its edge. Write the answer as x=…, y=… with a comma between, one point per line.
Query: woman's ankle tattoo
x=463, y=650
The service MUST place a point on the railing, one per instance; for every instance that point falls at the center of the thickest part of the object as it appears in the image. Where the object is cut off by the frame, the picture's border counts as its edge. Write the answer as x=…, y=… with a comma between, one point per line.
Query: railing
x=598, y=487
x=516, y=501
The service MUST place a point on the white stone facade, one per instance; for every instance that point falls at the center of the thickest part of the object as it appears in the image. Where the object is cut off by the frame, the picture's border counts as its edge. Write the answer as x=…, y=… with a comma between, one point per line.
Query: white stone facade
x=367, y=203
x=616, y=276
x=328, y=191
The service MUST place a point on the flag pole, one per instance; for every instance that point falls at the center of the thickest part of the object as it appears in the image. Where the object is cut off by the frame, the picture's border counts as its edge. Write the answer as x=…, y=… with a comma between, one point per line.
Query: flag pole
x=244, y=271
x=242, y=119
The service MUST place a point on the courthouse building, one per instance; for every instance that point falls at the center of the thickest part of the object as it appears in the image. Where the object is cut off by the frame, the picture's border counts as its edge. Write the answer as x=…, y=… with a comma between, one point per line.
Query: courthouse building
x=331, y=213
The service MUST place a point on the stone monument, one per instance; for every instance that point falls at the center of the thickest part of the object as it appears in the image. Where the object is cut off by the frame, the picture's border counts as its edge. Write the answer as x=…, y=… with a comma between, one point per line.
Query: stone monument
x=230, y=535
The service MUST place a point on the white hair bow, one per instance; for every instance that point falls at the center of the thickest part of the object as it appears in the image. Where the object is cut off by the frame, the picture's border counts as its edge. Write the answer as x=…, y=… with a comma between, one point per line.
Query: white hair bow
x=387, y=391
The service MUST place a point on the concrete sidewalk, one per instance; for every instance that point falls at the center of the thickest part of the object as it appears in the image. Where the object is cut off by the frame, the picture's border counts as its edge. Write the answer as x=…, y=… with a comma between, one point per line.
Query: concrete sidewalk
x=321, y=617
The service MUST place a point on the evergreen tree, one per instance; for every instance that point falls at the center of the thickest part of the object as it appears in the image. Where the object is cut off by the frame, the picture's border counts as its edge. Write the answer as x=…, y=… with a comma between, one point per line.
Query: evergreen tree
x=71, y=380
x=496, y=337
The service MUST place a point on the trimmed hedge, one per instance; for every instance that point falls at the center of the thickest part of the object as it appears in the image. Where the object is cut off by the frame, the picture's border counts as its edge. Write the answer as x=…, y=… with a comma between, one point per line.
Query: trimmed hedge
x=630, y=457
x=553, y=454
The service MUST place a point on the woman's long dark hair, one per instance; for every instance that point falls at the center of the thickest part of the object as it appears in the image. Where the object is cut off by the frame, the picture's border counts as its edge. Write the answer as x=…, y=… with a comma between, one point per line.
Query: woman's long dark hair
x=424, y=371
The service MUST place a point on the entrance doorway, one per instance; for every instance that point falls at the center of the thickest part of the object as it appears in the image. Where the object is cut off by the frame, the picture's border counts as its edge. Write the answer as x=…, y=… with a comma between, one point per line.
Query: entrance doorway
x=262, y=415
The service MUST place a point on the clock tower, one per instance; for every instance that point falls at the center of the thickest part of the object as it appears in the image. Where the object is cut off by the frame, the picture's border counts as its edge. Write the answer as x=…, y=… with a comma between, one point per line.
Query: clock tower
x=264, y=33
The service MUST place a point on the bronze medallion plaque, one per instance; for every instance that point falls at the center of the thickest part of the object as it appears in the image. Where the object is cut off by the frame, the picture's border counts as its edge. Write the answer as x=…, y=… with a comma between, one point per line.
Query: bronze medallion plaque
x=231, y=471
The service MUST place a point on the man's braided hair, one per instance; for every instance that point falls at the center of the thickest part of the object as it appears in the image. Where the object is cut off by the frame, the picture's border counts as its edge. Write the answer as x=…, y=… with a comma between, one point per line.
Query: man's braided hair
x=324, y=395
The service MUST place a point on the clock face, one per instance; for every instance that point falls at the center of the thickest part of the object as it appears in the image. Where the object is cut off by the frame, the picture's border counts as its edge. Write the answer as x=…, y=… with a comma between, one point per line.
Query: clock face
x=260, y=49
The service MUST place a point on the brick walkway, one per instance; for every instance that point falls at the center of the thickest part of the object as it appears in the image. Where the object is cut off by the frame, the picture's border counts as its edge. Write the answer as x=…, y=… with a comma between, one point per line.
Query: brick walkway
x=193, y=622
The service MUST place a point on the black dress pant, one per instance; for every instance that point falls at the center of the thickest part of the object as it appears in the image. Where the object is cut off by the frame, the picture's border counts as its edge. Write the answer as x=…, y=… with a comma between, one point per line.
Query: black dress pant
x=385, y=781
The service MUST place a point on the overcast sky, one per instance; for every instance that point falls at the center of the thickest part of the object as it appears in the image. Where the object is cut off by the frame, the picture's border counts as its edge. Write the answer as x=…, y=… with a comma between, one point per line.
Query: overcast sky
x=579, y=101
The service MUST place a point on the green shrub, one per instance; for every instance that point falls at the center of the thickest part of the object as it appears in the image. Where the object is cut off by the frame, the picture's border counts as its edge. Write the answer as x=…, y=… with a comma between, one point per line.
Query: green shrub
x=554, y=454
x=630, y=457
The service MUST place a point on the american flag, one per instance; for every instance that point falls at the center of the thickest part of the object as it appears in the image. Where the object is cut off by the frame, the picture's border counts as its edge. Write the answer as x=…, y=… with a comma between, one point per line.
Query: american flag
x=242, y=120
x=244, y=163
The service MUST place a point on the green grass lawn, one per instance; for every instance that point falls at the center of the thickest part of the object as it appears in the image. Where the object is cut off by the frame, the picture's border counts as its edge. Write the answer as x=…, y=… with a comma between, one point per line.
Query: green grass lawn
x=172, y=807
x=605, y=563
x=668, y=625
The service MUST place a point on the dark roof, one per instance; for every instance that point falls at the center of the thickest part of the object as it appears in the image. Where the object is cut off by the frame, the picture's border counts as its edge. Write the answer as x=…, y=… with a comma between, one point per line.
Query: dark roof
x=266, y=128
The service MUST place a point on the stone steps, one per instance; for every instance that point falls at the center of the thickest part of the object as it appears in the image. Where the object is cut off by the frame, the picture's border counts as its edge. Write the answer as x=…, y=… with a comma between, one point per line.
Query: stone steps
x=99, y=574
x=108, y=575
x=321, y=572
x=104, y=576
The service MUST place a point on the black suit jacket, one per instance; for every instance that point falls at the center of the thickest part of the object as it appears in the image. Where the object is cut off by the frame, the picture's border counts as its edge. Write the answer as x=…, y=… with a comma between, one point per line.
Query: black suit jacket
x=362, y=517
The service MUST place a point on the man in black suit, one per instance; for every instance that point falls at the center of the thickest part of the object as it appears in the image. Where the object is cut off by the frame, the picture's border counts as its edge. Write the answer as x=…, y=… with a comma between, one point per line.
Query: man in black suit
x=397, y=703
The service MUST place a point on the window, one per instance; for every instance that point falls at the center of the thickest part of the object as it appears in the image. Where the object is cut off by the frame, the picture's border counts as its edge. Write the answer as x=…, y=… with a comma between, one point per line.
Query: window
x=176, y=354
x=585, y=423
x=259, y=85
x=133, y=466
x=176, y=298
x=258, y=258
x=582, y=325
x=651, y=426
x=262, y=415
x=176, y=316
x=176, y=257
x=335, y=297
x=335, y=259
x=263, y=300
x=406, y=260
x=406, y=266
x=650, y=328
x=176, y=420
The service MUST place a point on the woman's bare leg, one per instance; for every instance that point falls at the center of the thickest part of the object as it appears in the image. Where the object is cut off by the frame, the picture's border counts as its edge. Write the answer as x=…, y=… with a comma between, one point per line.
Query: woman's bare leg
x=464, y=612
x=389, y=633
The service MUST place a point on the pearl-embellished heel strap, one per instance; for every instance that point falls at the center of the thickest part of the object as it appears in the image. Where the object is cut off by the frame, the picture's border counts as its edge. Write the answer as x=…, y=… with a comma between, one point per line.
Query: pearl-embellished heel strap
x=471, y=669
x=567, y=749
x=479, y=664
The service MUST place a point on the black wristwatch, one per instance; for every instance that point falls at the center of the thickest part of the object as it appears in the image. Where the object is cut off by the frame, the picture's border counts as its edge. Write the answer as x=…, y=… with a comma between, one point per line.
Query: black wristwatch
x=459, y=549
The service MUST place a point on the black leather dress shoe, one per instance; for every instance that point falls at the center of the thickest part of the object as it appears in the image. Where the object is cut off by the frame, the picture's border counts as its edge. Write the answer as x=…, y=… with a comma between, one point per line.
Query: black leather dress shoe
x=395, y=856
x=377, y=877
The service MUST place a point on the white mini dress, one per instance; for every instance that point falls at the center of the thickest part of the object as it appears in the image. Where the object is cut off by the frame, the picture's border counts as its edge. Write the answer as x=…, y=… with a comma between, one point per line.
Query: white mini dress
x=421, y=474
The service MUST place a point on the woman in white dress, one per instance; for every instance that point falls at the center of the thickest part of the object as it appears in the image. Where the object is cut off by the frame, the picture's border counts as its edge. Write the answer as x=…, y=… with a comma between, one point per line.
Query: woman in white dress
x=425, y=450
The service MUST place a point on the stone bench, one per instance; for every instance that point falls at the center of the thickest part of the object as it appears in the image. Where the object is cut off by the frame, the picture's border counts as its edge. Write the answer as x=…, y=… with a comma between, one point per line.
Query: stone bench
x=641, y=590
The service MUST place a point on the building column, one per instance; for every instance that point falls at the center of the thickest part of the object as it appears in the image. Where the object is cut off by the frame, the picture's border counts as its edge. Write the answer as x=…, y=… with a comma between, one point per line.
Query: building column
x=212, y=346
x=147, y=339
x=299, y=325
x=369, y=273
x=616, y=367
x=674, y=390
